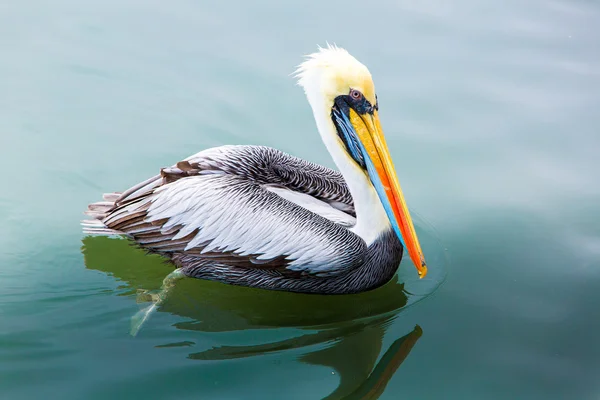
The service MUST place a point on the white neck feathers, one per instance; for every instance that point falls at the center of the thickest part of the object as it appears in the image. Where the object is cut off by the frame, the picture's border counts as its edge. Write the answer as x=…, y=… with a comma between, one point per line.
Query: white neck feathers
x=371, y=219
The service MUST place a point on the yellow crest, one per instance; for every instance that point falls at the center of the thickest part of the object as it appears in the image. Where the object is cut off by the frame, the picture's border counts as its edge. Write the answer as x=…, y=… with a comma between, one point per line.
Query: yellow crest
x=332, y=72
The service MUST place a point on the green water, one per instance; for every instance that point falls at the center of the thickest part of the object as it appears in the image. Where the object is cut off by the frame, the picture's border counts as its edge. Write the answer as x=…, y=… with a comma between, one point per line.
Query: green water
x=491, y=111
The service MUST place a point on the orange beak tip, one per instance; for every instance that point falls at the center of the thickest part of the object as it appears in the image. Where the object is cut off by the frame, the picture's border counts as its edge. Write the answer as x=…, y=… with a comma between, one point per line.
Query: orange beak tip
x=422, y=271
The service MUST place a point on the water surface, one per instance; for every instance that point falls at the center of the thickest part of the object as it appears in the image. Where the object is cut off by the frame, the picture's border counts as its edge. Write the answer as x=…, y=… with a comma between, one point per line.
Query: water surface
x=491, y=114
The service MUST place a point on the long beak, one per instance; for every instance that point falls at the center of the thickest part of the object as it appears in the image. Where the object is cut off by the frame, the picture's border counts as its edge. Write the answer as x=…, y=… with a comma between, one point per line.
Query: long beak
x=383, y=176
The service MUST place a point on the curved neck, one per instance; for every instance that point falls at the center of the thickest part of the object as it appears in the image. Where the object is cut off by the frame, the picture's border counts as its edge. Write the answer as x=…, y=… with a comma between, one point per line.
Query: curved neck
x=371, y=219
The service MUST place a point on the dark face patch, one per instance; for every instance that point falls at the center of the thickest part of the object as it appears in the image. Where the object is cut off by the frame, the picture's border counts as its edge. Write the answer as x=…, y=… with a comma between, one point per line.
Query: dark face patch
x=357, y=101
x=340, y=114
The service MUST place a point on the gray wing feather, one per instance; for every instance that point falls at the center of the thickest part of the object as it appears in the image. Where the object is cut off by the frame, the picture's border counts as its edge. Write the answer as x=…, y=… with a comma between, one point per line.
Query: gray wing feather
x=269, y=166
x=324, y=209
x=230, y=214
x=216, y=205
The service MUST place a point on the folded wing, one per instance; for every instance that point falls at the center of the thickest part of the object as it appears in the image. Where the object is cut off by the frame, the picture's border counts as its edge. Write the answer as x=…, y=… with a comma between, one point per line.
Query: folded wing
x=247, y=206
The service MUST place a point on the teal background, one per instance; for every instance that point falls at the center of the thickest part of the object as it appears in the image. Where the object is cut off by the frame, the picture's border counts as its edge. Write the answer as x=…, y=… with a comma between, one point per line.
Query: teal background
x=491, y=112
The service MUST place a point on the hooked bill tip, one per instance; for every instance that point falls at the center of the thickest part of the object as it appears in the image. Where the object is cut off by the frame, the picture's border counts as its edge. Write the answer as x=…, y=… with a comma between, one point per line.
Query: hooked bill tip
x=423, y=271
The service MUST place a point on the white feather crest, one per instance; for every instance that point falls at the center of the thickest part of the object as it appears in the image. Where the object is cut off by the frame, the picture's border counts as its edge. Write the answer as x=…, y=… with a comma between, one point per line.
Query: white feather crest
x=324, y=57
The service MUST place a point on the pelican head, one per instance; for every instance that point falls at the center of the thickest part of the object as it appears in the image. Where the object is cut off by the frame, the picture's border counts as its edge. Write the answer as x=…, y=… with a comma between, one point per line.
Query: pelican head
x=341, y=93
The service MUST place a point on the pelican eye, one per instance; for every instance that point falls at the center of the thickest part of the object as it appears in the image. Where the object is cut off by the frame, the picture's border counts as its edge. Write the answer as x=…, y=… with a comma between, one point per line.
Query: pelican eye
x=358, y=102
x=355, y=94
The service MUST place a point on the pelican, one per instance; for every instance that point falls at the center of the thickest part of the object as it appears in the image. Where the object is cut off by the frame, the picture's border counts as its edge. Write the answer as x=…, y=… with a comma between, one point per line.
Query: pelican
x=258, y=217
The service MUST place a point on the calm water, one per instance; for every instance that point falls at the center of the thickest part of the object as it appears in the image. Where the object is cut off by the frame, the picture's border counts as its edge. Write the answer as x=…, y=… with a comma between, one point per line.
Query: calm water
x=491, y=110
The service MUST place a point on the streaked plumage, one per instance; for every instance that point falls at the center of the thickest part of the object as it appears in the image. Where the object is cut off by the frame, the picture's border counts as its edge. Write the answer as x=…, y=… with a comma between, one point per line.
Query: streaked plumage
x=255, y=216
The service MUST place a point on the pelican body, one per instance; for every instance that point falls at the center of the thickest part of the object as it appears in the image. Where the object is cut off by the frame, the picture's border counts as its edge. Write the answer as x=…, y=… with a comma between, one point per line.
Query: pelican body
x=258, y=217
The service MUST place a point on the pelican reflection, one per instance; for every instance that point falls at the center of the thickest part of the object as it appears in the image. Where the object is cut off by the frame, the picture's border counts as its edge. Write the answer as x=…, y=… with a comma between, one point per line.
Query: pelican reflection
x=344, y=333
